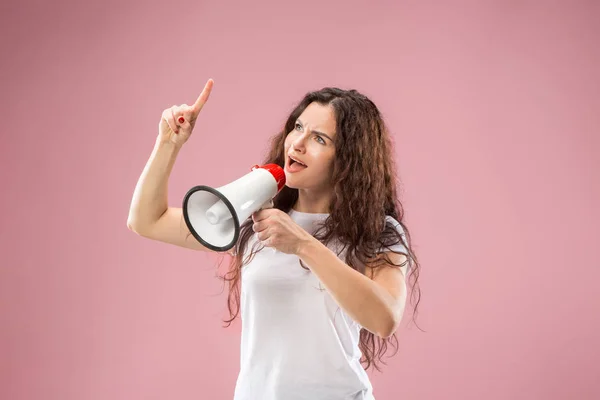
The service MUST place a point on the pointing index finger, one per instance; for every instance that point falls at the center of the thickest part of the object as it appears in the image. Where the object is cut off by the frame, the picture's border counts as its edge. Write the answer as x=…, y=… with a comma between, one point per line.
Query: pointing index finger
x=203, y=97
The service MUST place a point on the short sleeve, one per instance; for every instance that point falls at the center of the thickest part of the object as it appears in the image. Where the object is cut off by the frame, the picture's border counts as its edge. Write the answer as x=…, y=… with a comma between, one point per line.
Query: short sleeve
x=397, y=247
x=391, y=244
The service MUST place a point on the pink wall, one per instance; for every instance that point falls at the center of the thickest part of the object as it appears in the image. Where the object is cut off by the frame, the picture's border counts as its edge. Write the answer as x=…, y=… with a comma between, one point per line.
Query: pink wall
x=495, y=111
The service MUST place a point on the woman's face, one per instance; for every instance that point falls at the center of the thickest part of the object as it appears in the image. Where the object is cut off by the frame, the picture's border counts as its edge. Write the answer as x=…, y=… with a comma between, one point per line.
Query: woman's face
x=312, y=143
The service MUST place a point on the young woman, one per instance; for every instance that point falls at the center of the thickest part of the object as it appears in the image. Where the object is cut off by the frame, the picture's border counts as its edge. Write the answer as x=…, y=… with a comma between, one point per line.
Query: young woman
x=321, y=302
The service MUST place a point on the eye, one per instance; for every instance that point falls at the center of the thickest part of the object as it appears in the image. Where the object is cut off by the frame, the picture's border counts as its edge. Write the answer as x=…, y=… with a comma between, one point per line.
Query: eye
x=322, y=140
x=298, y=125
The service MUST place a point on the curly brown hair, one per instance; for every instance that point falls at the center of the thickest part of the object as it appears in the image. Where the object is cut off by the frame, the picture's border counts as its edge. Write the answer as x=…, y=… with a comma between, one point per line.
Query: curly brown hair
x=364, y=191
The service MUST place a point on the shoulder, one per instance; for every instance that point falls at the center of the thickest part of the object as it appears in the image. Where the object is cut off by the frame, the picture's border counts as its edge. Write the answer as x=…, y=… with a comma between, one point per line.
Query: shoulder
x=394, y=243
x=395, y=224
x=393, y=221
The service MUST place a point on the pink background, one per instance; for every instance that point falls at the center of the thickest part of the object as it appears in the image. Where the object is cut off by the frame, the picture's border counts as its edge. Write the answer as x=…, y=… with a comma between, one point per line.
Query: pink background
x=495, y=111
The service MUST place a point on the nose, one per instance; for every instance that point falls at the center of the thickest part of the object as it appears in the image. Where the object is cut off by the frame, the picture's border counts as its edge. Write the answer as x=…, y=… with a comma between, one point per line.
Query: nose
x=298, y=143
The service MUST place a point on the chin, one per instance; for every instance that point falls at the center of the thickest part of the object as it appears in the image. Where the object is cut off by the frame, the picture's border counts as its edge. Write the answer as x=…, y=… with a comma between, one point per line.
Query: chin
x=292, y=182
x=291, y=185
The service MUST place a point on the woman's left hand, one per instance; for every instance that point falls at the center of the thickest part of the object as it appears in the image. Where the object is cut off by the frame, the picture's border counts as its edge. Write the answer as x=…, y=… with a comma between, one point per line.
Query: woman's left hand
x=276, y=229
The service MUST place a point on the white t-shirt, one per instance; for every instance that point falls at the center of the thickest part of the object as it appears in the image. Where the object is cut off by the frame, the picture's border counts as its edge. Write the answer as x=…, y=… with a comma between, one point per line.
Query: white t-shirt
x=297, y=343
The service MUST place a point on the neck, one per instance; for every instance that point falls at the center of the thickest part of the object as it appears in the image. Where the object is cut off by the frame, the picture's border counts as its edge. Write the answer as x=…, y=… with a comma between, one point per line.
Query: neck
x=311, y=202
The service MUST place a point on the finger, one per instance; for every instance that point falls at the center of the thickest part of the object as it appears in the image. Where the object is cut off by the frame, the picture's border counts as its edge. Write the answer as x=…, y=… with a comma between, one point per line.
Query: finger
x=260, y=215
x=187, y=112
x=172, y=121
x=258, y=227
x=265, y=240
x=181, y=116
x=185, y=126
x=168, y=117
x=203, y=97
x=262, y=236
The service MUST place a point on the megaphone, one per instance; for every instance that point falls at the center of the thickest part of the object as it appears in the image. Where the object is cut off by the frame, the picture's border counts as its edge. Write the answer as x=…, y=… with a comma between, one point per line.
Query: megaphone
x=213, y=216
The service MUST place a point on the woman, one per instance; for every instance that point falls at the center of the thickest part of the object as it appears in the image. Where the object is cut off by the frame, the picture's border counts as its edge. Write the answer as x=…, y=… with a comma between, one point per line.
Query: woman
x=320, y=306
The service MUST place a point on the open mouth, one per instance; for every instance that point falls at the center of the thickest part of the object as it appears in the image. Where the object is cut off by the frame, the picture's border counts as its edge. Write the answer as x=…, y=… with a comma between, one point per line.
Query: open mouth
x=295, y=165
x=292, y=161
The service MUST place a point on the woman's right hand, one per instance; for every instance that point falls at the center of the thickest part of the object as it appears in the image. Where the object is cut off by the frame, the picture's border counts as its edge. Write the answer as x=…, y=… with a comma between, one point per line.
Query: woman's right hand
x=177, y=122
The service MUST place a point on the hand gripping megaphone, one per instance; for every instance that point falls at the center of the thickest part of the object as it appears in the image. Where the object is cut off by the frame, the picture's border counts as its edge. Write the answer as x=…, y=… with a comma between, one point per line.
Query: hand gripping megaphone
x=213, y=216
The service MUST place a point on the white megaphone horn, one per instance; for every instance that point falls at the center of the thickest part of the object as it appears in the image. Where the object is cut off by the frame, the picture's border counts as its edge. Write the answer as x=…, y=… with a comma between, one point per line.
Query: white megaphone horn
x=213, y=216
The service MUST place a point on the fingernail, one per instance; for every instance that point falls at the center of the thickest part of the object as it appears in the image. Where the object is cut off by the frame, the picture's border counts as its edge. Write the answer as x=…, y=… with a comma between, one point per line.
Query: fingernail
x=181, y=120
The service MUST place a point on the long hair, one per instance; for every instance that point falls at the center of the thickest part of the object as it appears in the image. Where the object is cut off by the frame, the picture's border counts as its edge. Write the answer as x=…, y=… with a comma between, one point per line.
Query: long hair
x=364, y=187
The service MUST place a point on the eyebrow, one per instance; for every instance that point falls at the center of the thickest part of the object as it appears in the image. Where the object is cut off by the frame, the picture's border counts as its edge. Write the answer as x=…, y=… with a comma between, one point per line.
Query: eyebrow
x=317, y=132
